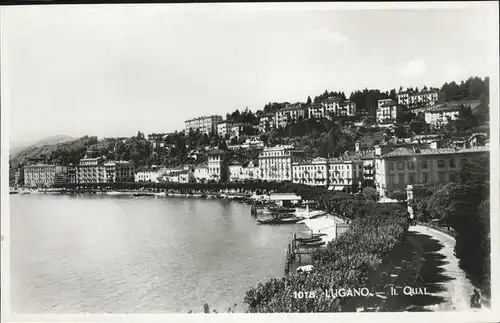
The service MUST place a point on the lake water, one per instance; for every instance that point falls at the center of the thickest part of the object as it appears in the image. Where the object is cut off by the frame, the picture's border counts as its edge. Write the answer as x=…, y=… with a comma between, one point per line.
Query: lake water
x=111, y=254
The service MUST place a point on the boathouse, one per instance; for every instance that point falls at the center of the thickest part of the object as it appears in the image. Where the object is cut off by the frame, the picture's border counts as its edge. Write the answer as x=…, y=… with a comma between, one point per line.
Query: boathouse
x=285, y=199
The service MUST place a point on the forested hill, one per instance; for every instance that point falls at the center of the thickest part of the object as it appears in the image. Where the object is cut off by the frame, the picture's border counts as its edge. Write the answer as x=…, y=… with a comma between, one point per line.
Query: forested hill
x=134, y=149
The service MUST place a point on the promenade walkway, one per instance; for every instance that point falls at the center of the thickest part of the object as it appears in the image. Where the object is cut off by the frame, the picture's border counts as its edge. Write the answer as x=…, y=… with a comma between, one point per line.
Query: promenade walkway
x=456, y=290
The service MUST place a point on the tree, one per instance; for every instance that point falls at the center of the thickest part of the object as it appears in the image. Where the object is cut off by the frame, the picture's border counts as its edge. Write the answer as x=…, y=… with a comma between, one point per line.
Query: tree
x=308, y=100
x=400, y=132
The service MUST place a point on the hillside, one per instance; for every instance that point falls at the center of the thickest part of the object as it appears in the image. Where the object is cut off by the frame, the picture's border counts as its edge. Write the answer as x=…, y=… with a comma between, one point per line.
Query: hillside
x=16, y=147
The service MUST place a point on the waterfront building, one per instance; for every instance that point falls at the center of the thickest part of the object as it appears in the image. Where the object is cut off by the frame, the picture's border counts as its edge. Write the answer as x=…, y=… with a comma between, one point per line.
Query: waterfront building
x=292, y=112
x=266, y=122
x=224, y=128
x=235, y=172
x=402, y=166
x=65, y=174
x=91, y=170
x=147, y=174
x=388, y=111
x=313, y=172
x=39, y=175
x=275, y=163
x=345, y=173
x=204, y=124
x=186, y=176
x=217, y=170
x=200, y=173
x=19, y=176
x=119, y=171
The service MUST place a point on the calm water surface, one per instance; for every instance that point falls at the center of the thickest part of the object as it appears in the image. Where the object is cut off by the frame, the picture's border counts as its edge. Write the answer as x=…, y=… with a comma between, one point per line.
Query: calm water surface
x=137, y=254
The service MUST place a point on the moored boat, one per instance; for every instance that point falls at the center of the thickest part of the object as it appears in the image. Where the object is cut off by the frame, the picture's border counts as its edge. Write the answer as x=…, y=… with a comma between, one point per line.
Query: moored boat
x=307, y=240
x=311, y=244
x=143, y=194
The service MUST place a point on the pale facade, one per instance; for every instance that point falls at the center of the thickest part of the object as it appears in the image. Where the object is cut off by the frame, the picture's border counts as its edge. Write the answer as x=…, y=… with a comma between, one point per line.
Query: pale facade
x=266, y=122
x=288, y=114
x=216, y=167
x=388, y=111
x=314, y=172
x=205, y=124
x=40, y=175
x=201, y=173
x=440, y=117
x=238, y=173
x=96, y=170
x=223, y=128
x=425, y=97
x=344, y=173
x=275, y=163
x=405, y=166
x=147, y=175
x=316, y=111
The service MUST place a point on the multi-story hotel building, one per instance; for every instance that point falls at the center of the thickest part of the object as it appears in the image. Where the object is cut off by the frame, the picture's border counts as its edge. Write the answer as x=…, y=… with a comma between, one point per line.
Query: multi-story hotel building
x=423, y=98
x=266, y=122
x=238, y=173
x=313, y=172
x=334, y=106
x=275, y=163
x=388, y=110
x=147, y=175
x=292, y=112
x=399, y=167
x=316, y=111
x=345, y=173
x=39, y=175
x=224, y=128
x=217, y=170
x=97, y=170
x=205, y=124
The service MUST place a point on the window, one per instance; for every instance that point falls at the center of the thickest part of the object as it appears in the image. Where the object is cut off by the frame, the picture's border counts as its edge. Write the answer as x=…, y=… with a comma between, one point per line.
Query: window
x=440, y=163
x=390, y=165
x=401, y=165
x=401, y=178
x=424, y=164
x=412, y=178
x=425, y=177
x=441, y=176
x=451, y=163
x=453, y=177
x=411, y=164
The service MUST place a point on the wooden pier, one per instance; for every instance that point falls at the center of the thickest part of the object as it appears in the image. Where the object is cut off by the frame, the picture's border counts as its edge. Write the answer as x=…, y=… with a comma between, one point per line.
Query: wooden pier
x=294, y=253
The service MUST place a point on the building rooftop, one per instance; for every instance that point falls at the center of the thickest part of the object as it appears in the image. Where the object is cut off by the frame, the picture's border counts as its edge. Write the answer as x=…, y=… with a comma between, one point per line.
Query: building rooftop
x=403, y=151
x=295, y=106
x=389, y=103
x=368, y=155
x=216, y=152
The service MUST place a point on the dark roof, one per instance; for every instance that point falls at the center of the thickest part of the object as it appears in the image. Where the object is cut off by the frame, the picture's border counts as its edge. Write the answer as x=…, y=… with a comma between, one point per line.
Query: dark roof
x=216, y=152
x=402, y=151
x=368, y=155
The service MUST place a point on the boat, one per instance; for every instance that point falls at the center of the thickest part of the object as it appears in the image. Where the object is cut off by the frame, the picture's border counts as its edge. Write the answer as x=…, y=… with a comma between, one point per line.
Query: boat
x=143, y=194
x=160, y=194
x=307, y=240
x=311, y=244
x=113, y=193
x=278, y=220
x=13, y=192
x=25, y=192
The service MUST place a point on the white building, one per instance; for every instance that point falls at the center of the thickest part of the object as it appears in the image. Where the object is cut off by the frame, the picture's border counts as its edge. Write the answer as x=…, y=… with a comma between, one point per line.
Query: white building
x=275, y=163
x=216, y=166
x=439, y=117
x=205, y=124
x=402, y=166
x=201, y=173
x=313, y=172
x=97, y=170
x=119, y=171
x=266, y=122
x=147, y=175
x=292, y=112
x=344, y=173
x=316, y=111
x=224, y=128
x=388, y=111
x=423, y=98
x=235, y=172
x=39, y=175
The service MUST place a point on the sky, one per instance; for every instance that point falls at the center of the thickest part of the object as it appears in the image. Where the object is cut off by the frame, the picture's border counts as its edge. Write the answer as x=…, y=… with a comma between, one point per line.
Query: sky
x=112, y=70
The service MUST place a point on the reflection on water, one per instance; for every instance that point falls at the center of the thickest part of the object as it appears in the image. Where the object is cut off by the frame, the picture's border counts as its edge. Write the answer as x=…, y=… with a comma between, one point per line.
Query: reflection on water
x=144, y=254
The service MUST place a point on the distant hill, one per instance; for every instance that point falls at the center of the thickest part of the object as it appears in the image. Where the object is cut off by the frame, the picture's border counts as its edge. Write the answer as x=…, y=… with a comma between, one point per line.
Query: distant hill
x=32, y=150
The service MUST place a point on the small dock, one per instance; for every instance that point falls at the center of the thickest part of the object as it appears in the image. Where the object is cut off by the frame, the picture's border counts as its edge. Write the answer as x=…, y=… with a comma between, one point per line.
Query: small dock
x=297, y=255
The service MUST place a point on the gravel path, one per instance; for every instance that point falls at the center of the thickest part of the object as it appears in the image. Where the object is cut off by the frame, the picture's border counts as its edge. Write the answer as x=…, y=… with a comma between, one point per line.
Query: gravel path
x=458, y=290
